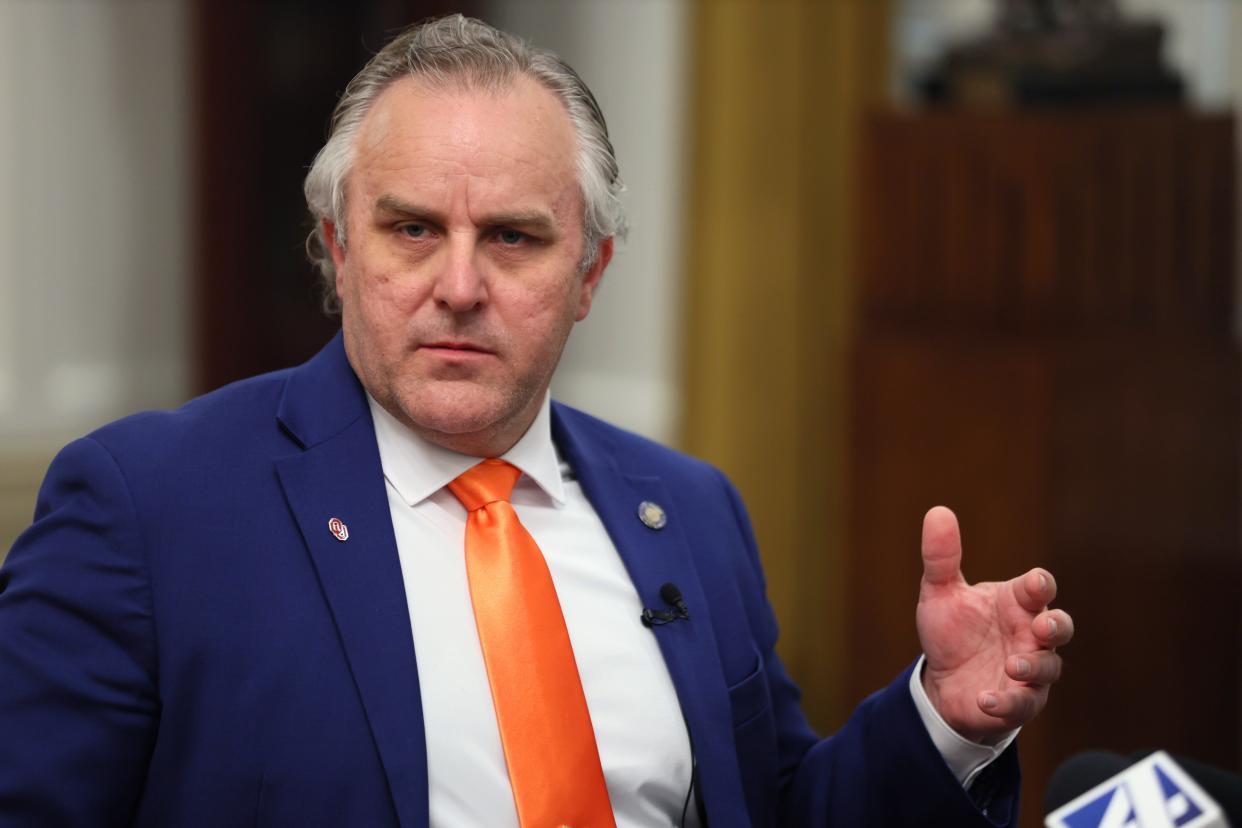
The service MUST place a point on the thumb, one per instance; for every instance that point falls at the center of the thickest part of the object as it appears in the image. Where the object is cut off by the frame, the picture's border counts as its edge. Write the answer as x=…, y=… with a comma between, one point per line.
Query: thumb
x=942, y=548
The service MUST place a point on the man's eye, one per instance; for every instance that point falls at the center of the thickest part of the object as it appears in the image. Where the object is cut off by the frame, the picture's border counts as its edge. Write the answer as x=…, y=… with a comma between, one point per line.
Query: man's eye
x=414, y=231
x=511, y=236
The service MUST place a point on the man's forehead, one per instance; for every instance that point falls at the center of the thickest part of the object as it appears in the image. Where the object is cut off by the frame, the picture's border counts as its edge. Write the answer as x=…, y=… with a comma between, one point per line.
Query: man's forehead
x=519, y=111
x=513, y=145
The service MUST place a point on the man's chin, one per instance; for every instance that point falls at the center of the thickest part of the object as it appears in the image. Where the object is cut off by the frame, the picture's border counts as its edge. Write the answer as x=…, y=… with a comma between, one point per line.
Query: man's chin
x=470, y=423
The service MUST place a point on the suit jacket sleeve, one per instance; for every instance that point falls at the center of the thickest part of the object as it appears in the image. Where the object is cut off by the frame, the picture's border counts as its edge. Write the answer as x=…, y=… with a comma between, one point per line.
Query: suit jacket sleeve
x=78, y=700
x=881, y=767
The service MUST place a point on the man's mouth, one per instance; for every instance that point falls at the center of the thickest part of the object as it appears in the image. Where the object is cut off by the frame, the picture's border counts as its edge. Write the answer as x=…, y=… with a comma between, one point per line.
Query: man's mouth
x=452, y=347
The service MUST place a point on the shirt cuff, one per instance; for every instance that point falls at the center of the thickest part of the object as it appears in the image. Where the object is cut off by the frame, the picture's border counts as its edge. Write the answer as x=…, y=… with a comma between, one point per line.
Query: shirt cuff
x=966, y=759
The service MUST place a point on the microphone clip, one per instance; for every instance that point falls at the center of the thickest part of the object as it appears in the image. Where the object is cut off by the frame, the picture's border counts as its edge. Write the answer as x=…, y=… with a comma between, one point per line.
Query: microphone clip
x=658, y=618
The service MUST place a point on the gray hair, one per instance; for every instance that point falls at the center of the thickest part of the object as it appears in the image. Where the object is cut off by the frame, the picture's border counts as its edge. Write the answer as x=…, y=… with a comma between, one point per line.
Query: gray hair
x=462, y=50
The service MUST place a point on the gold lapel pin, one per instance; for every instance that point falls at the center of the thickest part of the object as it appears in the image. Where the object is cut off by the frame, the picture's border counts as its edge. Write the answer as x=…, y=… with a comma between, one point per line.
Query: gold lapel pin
x=652, y=514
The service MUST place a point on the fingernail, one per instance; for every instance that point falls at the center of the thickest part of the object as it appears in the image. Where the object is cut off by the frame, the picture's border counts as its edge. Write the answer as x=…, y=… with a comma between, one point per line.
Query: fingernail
x=1024, y=667
x=1052, y=627
x=1043, y=582
x=989, y=701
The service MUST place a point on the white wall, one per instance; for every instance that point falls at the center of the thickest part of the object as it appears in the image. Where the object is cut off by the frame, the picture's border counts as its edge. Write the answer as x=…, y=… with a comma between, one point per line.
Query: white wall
x=922, y=29
x=94, y=189
x=622, y=363
x=94, y=185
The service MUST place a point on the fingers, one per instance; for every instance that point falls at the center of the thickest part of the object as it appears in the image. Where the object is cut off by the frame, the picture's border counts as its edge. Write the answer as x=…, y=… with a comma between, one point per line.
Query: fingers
x=942, y=548
x=1016, y=706
x=1041, y=668
x=1034, y=590
x=1053, y=628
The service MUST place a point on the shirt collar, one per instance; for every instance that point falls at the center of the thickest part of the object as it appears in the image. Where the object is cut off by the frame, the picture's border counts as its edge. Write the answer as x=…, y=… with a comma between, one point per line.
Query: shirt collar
x=417, y=469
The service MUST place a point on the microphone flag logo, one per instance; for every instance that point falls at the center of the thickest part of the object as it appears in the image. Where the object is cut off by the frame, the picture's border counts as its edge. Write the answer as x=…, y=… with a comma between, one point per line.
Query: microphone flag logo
x=1153, y=793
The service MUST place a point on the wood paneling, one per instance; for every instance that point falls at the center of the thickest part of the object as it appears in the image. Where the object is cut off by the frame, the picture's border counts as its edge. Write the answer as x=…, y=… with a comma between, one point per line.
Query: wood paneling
x=1044, y=346
x=1104, y=221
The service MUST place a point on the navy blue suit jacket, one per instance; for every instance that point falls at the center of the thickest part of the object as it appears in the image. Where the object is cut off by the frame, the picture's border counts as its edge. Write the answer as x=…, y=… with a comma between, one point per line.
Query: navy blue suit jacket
x=184, y=643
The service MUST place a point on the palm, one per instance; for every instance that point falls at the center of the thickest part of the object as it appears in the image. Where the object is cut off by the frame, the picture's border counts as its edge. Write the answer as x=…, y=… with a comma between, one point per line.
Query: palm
x=973, y=636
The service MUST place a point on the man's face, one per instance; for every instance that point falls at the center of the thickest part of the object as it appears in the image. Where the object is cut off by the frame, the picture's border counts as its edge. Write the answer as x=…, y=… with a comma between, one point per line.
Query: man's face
x=459, y=278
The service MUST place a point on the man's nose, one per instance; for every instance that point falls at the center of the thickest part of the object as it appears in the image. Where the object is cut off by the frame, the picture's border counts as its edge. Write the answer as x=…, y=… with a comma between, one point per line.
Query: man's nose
x=460, y=285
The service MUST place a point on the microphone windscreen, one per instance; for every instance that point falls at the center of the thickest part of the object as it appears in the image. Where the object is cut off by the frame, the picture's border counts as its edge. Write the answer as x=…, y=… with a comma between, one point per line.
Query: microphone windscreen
x=670, y=594
x=1079, y=774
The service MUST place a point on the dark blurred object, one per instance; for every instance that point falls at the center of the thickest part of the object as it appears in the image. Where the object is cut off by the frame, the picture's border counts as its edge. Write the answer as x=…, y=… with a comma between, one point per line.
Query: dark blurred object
x=267, y=77
x=1055, y=52
x=1044, y=344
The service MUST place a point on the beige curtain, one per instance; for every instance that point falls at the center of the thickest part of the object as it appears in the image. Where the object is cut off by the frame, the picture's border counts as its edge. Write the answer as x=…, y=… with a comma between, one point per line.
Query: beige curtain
x=778, y=89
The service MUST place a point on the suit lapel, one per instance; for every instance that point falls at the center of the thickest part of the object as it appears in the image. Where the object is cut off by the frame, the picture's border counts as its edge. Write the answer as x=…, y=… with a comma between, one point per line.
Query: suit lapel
x=338, y=475
x=654, y=558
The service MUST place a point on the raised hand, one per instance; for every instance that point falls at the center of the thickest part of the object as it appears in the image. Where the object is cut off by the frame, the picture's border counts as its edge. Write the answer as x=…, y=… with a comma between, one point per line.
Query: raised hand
x=990, y=647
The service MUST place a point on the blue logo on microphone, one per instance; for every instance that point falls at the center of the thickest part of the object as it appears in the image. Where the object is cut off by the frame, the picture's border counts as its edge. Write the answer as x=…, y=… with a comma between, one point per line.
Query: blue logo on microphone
x=1180, y=807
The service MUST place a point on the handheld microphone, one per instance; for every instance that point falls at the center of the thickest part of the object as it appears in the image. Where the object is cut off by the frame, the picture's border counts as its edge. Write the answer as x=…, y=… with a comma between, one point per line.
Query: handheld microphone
x=658, y=618
x=1103, y=790
x=1080, y=773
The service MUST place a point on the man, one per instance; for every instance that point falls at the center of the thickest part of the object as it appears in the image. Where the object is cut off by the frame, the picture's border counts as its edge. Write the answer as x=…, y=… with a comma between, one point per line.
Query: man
x=257, y=609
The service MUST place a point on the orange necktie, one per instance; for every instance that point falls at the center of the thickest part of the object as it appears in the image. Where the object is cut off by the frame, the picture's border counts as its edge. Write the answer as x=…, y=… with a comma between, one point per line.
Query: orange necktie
x=545, y=727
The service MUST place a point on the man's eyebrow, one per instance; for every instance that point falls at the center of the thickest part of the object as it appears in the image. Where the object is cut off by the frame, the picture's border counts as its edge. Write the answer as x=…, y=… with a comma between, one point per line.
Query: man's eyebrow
x=535, y=220
x=392, y=204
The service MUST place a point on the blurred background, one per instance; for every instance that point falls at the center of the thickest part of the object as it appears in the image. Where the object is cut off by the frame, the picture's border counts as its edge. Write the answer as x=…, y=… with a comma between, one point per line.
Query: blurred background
x=885, y=254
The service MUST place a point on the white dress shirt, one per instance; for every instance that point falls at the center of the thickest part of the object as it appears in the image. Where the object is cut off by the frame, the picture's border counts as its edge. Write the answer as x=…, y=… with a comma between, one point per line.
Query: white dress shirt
x=639, y=730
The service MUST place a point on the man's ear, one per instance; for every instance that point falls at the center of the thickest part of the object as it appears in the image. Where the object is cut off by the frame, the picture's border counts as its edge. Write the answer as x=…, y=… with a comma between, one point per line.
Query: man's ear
x=335, y=249
x=591, y=279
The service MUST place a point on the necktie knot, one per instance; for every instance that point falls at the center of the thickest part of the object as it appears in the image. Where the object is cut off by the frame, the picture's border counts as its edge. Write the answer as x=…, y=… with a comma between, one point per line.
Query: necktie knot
x=488, y=482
